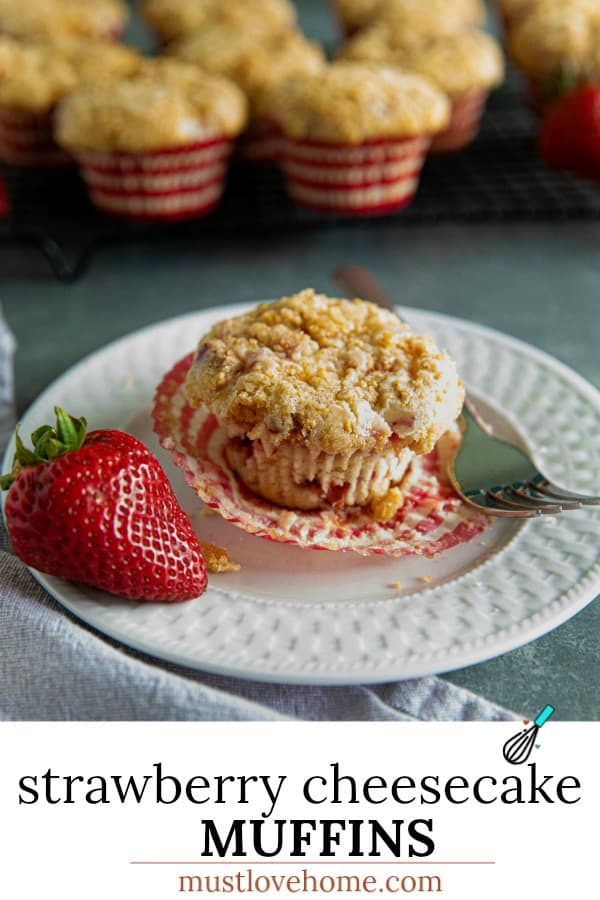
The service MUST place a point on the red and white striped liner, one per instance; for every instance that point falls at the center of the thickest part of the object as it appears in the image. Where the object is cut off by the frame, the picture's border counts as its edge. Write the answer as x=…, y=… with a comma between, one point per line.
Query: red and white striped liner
x=27, y=141
x=369, y=179
x=465, y=119
x=433, y=518
x=174, y=184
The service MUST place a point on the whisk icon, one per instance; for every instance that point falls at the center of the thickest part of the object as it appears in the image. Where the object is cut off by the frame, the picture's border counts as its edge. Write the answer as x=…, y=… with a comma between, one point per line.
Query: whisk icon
x=518, y=748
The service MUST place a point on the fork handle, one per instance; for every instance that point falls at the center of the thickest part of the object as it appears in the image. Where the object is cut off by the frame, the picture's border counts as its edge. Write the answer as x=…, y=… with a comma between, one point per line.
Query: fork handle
x=358, y=282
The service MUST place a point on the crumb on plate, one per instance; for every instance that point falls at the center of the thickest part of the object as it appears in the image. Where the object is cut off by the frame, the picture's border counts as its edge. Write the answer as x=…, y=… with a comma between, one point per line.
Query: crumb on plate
x=217, y=560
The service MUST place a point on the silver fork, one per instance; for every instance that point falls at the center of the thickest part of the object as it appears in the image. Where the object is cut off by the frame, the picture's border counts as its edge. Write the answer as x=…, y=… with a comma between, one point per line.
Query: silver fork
x=487, y=472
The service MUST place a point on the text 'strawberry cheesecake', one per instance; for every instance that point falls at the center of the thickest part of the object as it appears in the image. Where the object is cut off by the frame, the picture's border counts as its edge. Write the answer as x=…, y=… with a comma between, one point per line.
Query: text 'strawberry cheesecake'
x=172, y=19
x=325, y=402
x=256, y=61
x=155, y=145
x=355, y=136
x=465, y=64
x=103, y=19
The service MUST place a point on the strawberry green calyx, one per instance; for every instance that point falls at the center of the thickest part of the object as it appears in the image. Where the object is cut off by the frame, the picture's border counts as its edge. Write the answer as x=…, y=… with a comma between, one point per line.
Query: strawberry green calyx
x=48, y=443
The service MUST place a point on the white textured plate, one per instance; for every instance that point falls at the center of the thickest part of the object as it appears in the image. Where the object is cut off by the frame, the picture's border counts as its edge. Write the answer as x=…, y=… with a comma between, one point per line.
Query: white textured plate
x=305, y=616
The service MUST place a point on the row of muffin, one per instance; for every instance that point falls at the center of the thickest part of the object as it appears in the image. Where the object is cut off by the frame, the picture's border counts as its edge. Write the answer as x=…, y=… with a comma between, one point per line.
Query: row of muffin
x=351, y=136
x=354, y=135
x=437, y=40
x=555, y=43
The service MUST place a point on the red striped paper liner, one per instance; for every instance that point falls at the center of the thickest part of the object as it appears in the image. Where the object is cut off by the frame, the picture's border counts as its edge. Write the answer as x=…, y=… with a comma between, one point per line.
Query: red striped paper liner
x=175, y=184
x=27, y=140
x=368, y=179
x=465, y=119
x=432, y=520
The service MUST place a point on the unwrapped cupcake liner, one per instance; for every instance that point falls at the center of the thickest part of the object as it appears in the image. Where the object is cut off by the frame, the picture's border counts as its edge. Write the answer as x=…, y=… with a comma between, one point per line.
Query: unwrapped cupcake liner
x=27, y=140
x=465, y=119
x=173, y=184
x=373, y=178
x=295, y=476
x=433, y=519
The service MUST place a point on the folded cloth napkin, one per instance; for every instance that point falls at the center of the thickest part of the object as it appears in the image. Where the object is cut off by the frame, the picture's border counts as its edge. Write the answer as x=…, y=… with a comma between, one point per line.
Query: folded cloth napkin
x=54, y=668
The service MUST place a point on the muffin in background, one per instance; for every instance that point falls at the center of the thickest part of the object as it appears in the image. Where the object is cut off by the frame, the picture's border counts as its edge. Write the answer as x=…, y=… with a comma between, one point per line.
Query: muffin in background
x=172, y=19
x=512, y=12
x=355, y=136
x=100, y=19
x=34, y=77
x=325, y=402
x=557, y=46
x=156, y=145
x=256, y=62
x=465, y=64
x=436, y=14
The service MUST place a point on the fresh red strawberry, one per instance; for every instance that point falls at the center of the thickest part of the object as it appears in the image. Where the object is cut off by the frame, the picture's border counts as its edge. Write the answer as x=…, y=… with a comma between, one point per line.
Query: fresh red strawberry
x=98, y=509
x=570, y=137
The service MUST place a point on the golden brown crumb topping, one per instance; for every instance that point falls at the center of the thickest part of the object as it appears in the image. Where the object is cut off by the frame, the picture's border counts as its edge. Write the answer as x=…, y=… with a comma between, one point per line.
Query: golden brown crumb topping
x=553, y=38
x=217, y=560
x=255, y=61
x=62, y=18
x=33, y=77
x=353, y=102
x=328, y=374
x=438, y=13
x=172, y=19
x=165, y=104
x=458, y=63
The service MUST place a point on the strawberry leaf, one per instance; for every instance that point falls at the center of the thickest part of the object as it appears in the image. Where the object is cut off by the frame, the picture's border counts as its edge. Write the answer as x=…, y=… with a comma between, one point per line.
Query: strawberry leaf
x=69, y=430
x=48, y=443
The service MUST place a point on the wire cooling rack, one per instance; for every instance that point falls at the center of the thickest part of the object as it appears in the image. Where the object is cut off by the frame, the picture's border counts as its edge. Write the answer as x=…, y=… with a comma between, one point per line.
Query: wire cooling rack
x=498, y=178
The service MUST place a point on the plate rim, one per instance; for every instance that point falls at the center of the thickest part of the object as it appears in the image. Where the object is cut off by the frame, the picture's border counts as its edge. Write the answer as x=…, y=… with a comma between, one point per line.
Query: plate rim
x=585, y=590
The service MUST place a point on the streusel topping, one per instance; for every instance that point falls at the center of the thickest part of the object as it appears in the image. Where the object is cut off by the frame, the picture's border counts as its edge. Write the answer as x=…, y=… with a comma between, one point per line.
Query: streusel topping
x=555, y=37
x=33, y=77
x=458, y=62
x=439, y=14
x=165, y=104
x=62, y=18
x=354, y=102
x=252, y=59
x=330, y=375
x=172, y=19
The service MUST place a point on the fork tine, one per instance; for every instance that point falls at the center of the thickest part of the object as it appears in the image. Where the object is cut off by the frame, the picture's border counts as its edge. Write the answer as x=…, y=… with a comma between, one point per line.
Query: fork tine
x=498, y=495
x=485, y=501
x=543, y=486
x=520, y=495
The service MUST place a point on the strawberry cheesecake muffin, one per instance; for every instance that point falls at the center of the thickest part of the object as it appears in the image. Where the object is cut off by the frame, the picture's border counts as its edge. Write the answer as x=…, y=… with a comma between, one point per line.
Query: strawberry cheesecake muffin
x=558, y=46
x=256, y=61
x=438, y=14
x=325, y=402
x=172, y=19
x=465, y=64
x=154, y=145
x=34, y=77
x=355, y=136
x=103, y=19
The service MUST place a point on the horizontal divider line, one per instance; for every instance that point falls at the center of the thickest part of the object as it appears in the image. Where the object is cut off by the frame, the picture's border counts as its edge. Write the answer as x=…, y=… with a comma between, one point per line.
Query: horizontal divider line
x=322, y=862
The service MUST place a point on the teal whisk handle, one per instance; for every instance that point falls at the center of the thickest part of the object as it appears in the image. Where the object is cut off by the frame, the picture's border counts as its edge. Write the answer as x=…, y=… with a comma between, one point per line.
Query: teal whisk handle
x=544, y=715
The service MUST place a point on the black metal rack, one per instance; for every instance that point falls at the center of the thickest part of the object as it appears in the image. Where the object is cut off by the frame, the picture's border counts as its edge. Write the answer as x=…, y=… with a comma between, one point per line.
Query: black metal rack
x=498, y=178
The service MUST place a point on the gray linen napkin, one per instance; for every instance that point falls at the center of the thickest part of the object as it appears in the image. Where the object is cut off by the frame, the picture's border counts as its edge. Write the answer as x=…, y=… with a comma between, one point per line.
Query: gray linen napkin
x=54, y=668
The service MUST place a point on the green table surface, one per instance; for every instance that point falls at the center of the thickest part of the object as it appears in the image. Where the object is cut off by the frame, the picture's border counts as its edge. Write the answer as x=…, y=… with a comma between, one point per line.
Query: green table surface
x=539, y=282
